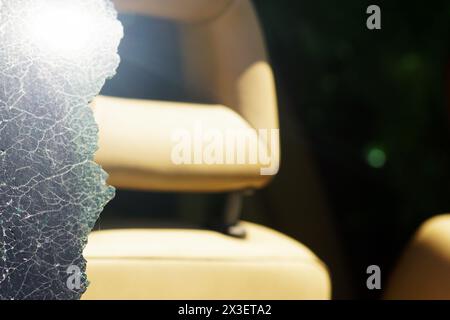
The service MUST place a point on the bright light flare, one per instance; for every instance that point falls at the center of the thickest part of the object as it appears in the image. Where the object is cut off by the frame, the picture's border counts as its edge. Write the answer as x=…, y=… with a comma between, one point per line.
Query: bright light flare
x=61, y=29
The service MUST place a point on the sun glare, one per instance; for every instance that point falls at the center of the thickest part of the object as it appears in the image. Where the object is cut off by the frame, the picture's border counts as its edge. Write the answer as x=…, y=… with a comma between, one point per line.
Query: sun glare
x=63, y=29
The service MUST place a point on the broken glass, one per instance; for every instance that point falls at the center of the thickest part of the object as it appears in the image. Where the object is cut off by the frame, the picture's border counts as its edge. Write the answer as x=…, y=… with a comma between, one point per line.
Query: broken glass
x=55, y=56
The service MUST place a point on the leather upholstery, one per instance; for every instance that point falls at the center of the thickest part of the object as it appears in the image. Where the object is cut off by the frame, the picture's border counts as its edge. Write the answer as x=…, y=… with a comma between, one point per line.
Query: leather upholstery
x=186, y=10
x=224, y=61
x=423, y=272
x=200, y=264
x=136, y=139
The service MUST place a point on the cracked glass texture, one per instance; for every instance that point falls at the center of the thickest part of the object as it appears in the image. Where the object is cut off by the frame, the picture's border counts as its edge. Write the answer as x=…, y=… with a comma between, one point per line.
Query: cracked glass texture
x=52, y=64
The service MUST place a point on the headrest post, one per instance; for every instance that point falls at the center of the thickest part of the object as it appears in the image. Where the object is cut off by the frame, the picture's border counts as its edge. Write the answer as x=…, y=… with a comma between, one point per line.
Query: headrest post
x=232, y=215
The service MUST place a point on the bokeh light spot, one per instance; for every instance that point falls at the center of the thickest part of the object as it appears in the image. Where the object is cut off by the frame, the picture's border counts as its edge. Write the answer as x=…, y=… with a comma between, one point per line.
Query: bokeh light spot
x=376, y=158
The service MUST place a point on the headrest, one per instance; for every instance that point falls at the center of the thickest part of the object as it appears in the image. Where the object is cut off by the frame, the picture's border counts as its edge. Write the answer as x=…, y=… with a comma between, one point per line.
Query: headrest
x=155, y=145
x=182, y=10
x=158, y=146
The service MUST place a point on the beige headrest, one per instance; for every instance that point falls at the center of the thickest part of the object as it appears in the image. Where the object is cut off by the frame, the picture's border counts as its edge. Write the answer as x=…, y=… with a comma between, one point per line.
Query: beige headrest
x=137, y=146
x=224, y=60
x=181, y=10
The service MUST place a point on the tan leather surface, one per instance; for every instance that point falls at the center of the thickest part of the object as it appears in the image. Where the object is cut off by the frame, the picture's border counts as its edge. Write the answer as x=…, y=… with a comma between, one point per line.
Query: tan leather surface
x=197, y=264
x=136, y=146
x=224, y=61
x=182, y=10
x=423, y=272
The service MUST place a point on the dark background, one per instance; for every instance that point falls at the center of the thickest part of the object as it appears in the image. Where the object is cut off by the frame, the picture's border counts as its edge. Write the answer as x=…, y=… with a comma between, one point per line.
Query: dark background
x=351, y=90
x=365, y=134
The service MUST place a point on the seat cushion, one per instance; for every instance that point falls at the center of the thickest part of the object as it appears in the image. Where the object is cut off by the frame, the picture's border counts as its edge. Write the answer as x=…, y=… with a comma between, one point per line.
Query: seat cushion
x=201, y=264
x=423, y=272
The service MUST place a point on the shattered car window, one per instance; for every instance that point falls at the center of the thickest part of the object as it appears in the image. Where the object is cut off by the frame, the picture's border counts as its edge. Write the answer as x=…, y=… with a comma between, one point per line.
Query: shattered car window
x=55, y=56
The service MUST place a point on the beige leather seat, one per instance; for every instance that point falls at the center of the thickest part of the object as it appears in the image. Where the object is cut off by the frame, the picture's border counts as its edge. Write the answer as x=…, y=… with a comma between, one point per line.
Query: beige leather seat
x=224, y=60
x=188, y=264
x=423, y=272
